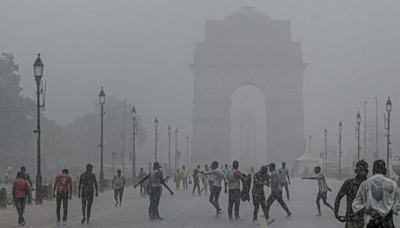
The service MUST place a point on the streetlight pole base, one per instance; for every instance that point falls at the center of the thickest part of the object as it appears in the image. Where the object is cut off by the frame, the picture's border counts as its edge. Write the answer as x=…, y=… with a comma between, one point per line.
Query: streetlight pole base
x=38, y=195
x=101, y=187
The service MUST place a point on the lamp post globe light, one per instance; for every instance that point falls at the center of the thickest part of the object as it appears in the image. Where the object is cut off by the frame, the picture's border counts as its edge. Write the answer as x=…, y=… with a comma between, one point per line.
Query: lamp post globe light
x=134, y=123
x=326, y=152
x=156, y=139
x=176, y=148
x=102, y=101
x=169, y=150
x=38, y=73
x=358, y=119
x=387, y=126
x=340, y=149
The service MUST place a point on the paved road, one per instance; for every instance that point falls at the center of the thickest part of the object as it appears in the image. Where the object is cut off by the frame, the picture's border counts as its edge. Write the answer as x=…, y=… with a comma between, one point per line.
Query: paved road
x=184, y=210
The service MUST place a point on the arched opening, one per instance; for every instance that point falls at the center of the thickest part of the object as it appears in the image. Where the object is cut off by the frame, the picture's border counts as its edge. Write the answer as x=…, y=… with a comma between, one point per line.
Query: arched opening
x=248, y=126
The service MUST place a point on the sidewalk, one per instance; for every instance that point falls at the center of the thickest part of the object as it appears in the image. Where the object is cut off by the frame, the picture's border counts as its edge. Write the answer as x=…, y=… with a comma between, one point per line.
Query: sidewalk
x=45, y=215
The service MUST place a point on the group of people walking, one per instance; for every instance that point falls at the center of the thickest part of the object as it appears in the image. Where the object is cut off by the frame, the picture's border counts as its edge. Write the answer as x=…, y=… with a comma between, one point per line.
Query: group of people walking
x=371, y=202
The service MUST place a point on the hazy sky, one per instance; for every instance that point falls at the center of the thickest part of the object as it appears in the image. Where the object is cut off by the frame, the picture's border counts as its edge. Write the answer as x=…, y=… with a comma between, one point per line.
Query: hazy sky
x=139, y=50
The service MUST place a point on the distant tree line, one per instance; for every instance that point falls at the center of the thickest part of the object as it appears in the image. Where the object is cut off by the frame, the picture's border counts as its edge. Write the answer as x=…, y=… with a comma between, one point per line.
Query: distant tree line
x=75, y=143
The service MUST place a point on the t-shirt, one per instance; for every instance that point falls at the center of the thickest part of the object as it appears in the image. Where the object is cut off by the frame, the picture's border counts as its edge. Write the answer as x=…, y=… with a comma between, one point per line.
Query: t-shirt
x=226, y=171
x=322, y=186
x=119, y=181
x=62, y=182
x=20, y=188
x=218, y=176
x=283, y=173
x=185, y=174
x=349, y=189
x=88, y=182
x=275, y=183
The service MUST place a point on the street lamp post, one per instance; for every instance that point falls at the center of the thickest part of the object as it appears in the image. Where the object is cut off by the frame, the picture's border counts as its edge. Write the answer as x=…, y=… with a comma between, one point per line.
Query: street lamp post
x=38, y=73
x=309, y=145
x=358, y=118
x=176, y=148
x=376, y=130
x=102, y=101
x=365, y=131
x=169, y=150
x=326, y=152
x=156, y=139
x=340, y=149
x=387, y=126
x=134, y=132
x=187, y=151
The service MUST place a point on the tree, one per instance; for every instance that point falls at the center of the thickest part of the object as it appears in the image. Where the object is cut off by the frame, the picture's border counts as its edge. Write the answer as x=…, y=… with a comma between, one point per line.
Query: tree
x=16, y=115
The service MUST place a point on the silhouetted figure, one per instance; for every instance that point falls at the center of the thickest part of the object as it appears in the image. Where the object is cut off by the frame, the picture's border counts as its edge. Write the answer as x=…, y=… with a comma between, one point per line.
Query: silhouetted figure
x=218, y=175
x=63, y=187
x=234, y=177
x=284, y=178
x=118, y=184
x=322, y=189
x=87, y=184
x=155, y=180
x=20, y=191
x=185, y=176
x=196, y=180
x=378, y=198
x=349, y=189
x=261, y=178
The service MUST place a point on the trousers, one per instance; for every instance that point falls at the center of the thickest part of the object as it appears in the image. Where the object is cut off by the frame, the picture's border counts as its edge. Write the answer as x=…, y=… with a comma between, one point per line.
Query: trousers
x=62, y=197
x=286, y=188
x=259, y=199
x=278, y=197
x=185, y=183
x=196, y=184
x=87, y=201
x=20, y=205
x=155, y=194
x=234, y=198
x=214, y=196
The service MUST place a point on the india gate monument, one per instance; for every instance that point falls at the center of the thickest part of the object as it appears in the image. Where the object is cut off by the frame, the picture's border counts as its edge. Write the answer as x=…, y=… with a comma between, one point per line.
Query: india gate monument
x=247, y=48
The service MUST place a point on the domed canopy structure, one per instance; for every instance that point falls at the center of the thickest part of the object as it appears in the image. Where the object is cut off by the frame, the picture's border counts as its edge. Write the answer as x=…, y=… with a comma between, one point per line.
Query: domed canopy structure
x=247, y=11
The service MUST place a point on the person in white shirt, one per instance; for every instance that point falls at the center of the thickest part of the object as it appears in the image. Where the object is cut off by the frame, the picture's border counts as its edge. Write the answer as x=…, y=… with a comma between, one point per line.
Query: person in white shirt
x=218, y=175
x=185, y=176
x=118, y=184
x=378, y=198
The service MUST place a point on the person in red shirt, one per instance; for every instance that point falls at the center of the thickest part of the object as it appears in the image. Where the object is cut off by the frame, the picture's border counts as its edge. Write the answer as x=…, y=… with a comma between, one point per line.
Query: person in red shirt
x=61, y=186
x=20, y=190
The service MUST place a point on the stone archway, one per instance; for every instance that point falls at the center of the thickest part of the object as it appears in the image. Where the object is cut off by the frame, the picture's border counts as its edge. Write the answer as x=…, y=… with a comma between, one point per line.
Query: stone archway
x=247, y=48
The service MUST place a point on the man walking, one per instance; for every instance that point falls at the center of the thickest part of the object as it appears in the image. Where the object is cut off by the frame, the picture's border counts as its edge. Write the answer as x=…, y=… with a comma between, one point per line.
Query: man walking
x=185, y=176
x=210, y=178
x=143, y=186
x=276, y=193
x=204, y=179
x=218, y=175
x=20, y=190
x=378, y=198
x=349, y=189
x=196, y=181
x=284, y=178
x=61, y=184
x=87, y=184
x=27, y=177
x=261, y=178
x=234, y=177
x=118, y=184
x=226, y=170
x=155, y=180
x=322, y=189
